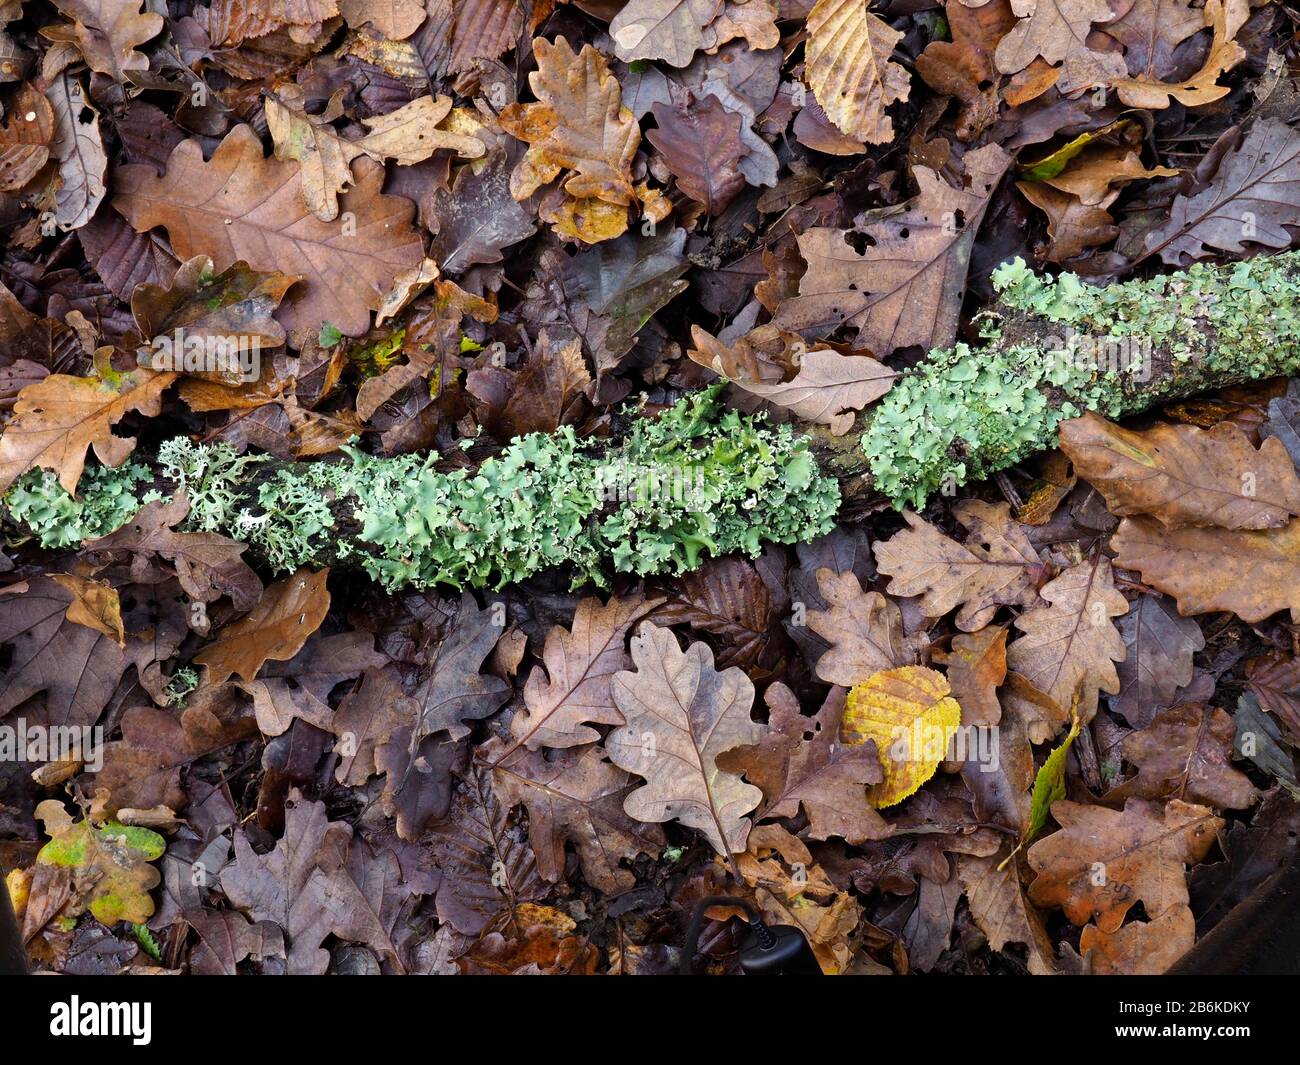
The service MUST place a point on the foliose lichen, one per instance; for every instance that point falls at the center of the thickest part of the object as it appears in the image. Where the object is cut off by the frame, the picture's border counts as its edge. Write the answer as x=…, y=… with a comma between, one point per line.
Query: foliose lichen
x=697, y=479
x=967, y=412
x=109, y=498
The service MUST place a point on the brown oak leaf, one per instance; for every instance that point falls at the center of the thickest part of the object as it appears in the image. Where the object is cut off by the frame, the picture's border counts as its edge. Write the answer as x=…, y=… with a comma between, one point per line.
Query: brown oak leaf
x=681, y=714
x=997, y=566
x=240, y=205
x=571, y=690
x=1143, y=850
x=802, y=761
x=1186, y=754
x=1182, y=475
x=575, y=796
x=1070, y=646
x=864, y=630
x=288, y=613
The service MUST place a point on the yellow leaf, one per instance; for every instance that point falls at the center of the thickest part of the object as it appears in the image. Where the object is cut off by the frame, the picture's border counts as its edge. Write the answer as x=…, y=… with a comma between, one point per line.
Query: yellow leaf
x=849, y=69
x=911, y=715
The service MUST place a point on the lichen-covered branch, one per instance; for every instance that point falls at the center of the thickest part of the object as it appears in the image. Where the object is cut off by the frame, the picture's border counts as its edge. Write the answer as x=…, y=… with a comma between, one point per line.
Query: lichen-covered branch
x=696, y=480
x=701, y=480
x=1054, y=348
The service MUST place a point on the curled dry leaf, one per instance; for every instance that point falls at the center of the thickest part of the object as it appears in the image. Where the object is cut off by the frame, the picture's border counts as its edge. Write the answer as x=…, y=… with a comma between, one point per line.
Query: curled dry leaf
x=680, y=715
x=1182, y=475
x=1259, y=181
x=95, y=604
x=828, y=389
x=1226, y=17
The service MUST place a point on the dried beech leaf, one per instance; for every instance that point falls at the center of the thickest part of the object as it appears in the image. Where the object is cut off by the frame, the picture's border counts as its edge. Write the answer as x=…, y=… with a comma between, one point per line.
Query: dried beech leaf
x=849, y=70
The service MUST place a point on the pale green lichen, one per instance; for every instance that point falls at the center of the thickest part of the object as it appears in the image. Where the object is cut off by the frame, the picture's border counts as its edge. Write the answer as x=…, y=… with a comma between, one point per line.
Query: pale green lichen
x=109, y=497
x=965, y=413
x=696, y=480
x=211, y=475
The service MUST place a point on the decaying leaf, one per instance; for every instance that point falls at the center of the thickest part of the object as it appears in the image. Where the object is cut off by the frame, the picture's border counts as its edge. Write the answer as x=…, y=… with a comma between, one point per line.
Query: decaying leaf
x=906, y=288
x=1142, y=850
x=680, y=714
x=996, y=567
x=802, y=761
x=110, y=863
x=95, y=604
x=1184, y=754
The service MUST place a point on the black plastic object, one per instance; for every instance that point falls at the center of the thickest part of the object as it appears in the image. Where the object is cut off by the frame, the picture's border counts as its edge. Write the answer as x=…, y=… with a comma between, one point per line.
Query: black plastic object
x=779, y=951
x=13, y=959
x=782, y=951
